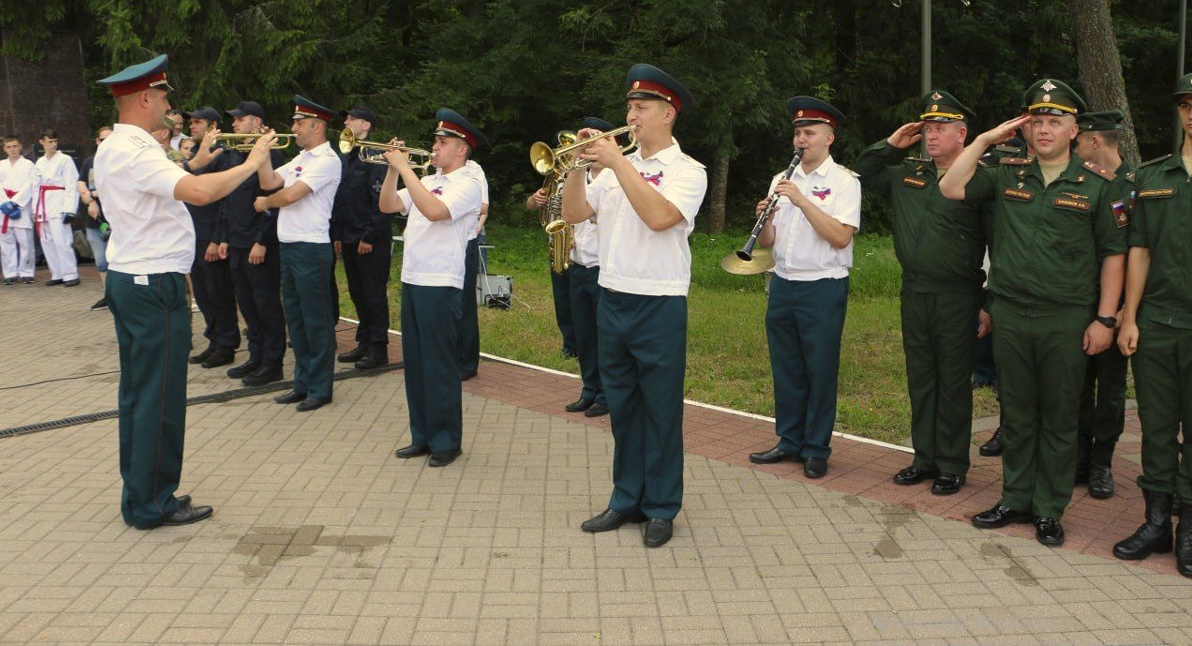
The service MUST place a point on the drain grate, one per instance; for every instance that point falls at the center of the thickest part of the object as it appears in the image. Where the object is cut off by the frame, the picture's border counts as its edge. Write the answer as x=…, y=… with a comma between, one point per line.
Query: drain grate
x=213, y=398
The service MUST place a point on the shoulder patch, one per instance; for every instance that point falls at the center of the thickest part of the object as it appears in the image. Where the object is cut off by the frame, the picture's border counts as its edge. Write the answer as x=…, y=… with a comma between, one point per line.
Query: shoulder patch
x=693, y=160
x=1015, y=161
x=1154, y=161
x=142, y=142
x=1103, y=172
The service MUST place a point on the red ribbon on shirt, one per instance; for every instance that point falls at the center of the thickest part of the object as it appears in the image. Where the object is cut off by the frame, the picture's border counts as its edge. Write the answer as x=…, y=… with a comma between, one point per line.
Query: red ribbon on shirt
x=10, y=194
x=40, y=210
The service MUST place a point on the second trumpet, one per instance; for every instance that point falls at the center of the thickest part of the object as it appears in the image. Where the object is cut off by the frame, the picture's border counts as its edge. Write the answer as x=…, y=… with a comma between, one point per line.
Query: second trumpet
x=565, y=158
x=374, y=152
x=245, y=143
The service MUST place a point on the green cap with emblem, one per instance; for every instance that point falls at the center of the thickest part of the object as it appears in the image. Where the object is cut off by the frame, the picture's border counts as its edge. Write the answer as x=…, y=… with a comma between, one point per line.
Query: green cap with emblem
x=1184, y=86
x=1049, y=96
x=1100, y=121
x=938, y=105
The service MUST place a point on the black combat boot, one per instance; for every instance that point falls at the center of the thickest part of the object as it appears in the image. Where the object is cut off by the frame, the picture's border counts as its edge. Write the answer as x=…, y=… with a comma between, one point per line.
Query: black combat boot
x=1100, y=476
x=1183, y=542
x=1155, y=534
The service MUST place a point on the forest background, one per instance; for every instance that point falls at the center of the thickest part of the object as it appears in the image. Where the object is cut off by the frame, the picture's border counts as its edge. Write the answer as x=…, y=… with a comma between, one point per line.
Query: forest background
x=523, y=69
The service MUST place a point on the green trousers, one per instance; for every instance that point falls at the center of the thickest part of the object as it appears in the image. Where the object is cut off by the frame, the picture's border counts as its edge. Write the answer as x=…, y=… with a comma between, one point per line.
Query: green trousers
x=306, y=283
x=1040, y=368
x=1163, y=379
x=429, y=349
x=152, y=317
x=643, y=358
x=937, y=339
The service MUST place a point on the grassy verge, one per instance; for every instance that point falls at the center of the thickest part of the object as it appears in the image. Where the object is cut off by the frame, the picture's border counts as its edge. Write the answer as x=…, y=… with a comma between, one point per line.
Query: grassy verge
x=727, y=358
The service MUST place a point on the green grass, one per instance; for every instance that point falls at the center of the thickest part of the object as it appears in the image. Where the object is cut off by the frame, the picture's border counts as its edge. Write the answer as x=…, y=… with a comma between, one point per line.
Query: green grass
x=727, y=357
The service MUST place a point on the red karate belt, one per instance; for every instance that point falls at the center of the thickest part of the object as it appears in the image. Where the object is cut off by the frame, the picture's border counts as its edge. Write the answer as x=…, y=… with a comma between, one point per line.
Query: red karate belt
x=40, y=209
x=10, y=194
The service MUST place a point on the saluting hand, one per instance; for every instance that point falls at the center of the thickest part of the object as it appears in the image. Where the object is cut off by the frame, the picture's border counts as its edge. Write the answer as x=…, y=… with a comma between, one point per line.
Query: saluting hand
x=1004, y=132
x=907, y=135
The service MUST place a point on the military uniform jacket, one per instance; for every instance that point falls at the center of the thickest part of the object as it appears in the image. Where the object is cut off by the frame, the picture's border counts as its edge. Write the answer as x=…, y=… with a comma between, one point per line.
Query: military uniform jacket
x=1163, y=224
x=356, y=214
x=239, y=224
x=1049, y=240
x=940, y=243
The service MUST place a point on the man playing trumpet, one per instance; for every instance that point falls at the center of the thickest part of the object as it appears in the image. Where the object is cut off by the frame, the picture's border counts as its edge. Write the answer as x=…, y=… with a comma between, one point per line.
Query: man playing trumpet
x=647, y=202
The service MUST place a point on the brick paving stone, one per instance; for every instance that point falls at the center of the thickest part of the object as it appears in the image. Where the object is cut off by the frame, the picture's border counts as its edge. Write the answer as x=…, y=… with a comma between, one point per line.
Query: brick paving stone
x=321, y=536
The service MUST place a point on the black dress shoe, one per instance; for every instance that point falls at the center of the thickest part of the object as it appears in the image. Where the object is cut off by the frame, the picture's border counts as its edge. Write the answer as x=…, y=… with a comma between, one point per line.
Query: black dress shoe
x=182, y=500
x=912, y=475
x=1000, y=516
x=188, y=514
x=262, y=376
x=53, y=282
x=815, y=467
x=244, y=369
x=464, y=376
x=310, y=404
x=568, y=353
x=1101, y=481
x=353, y=355
x=596, y=410
x=658, y=532
x=10, y=281
x=609, y=520
x=411, y=451
x=372, y=360
x=580, y=405
x=947, y=484
x=1049, y=531
x=202, y=356
x=292, y=397
x=774, y=456
x=219, y=358
x=73, y=282
x=443, y=458
x=994, y=446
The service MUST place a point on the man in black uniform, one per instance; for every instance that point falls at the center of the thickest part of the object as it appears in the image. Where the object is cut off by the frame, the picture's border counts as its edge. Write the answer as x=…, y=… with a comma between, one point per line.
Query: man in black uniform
x=363, y=238
x=248, y=241
x=209, y=276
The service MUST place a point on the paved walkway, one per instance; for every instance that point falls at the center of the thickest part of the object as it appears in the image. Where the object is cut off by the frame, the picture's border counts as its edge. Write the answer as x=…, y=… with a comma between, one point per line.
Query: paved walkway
x=321, y=536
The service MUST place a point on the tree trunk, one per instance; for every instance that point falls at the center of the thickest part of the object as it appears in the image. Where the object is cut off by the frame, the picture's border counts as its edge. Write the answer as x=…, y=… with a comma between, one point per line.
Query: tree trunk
x=719, y=191
x=1101, y=66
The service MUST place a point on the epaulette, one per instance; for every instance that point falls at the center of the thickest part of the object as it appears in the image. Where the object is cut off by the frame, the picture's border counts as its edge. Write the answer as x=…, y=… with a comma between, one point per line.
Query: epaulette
x=141, y=142
x=1015, y=161
x=1003, y=148
x=918, y=160
x=693, y=160
x=1103, y=172
x=1155, y=160
x=849, y=171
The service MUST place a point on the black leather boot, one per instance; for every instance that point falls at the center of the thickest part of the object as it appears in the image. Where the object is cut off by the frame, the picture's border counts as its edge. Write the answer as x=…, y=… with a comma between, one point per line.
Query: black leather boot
x=1154, y=536
x=1183, y=542
x=1100, y=476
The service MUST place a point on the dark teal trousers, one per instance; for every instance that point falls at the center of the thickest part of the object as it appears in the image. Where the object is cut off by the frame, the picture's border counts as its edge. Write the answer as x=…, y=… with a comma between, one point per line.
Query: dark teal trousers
x=585, y=291
x=428, y=348
x=466, y=323
x=306, y=282
x=804, y=321
x=643, y=360
x=152, y=316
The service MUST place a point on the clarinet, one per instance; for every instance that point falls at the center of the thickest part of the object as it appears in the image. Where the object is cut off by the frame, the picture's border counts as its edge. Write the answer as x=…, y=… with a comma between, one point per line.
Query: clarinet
x=746, y=253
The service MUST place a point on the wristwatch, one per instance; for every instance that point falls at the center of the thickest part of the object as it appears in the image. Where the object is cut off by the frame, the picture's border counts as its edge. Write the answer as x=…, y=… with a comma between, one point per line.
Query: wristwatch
x=1108, y=321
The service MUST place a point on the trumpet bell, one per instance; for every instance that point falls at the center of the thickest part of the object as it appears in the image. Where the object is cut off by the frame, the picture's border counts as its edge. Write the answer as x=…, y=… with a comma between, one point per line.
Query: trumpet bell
x=762, y=261
x=563, y=159
x=347, y=141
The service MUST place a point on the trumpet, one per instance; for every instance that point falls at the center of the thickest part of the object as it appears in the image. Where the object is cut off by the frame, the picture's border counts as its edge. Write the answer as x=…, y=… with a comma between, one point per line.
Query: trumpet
x=744, y=261
x=373, y=152
x=564, y=158
x=244, y=143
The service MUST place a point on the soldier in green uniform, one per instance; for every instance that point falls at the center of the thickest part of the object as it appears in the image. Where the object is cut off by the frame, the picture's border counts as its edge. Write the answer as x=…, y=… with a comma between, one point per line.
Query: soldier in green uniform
x=1157, y=334
x=1103, y=399
x=940, y=246
x=1054, y=231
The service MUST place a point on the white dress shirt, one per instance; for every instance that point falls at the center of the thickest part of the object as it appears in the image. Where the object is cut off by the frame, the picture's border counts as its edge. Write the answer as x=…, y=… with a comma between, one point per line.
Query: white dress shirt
x=433, y=253
x=309, y=219
x=800, y=253
x=634, y=259
x=152, y=232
